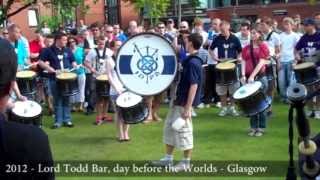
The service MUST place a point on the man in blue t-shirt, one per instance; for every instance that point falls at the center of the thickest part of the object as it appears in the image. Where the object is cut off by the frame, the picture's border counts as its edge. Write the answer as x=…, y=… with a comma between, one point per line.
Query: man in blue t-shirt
x=228, y=47
x=308, y=50
x=187, y=96
x=55, y=59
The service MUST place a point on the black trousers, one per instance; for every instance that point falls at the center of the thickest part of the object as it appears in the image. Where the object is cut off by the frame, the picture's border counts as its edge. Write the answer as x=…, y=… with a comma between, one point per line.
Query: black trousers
x=90, y=92
x=210, y=84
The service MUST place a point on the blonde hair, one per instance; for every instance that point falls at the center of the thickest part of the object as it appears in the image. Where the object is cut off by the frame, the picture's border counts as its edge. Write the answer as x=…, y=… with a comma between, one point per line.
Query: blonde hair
x=288, y=20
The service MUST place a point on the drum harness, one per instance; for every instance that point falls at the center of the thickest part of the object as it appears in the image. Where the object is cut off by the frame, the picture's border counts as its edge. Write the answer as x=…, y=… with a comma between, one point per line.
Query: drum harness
x=298, y=100
x=98, y=64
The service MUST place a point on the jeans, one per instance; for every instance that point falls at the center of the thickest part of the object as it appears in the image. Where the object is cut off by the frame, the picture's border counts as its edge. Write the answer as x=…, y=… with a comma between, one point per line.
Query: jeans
x=61, y=104
x=285, y=78
x=90, y=92
x=210, y=84
x=259, y=120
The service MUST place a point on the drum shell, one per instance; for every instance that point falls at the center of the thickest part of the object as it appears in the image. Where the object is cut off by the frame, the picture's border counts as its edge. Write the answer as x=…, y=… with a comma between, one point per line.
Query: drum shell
x=226, y=77
x=27, y=86
x=102, y=88
x=36, y=120
x=306, y=76
x=134, y=114
x=67, y=87
x=254, y=104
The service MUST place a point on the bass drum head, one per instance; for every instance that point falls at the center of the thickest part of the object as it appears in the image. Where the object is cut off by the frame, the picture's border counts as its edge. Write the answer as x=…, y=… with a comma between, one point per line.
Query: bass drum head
x=102, y=77
x=146, y=64
x=66, y=76
x=128, y=99
x=27, y=109
x=247, y=90
x=226, y=66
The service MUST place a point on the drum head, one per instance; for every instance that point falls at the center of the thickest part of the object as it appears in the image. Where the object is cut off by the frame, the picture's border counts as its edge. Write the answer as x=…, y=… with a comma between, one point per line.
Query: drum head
x=102, y=77
x=226, y=66
x=128, y=99
x=66, y=76
x=247, y=90
x=146, y=64
x=26, y=74
x=27, y=109
x=303, y=65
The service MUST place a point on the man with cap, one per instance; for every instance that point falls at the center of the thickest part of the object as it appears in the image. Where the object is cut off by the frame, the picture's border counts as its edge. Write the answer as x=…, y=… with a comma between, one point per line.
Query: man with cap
x=308, y=50
x=19, y=143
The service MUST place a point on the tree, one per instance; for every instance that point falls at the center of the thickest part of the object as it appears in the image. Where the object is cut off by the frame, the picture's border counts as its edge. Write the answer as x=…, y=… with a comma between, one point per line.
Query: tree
x=153, y=9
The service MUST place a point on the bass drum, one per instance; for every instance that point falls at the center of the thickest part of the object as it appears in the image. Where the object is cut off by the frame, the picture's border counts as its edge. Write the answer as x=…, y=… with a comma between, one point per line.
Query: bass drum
x=132, y=108
x=26, y=112
x=67, y=84
x=146, y=64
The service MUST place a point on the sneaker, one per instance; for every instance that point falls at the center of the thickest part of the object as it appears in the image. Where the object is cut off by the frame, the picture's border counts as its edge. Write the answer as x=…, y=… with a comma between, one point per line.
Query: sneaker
x=55, y=126
x=223, y=112
x=259, y=132
x=193, y=113
x=218, y=104
x=233, y=111
x=207, y=106
x=317, y=114
x=107, y=118
x=163, y=162
x=167, y=101
x=182, y=166
x=252, y=132
x=200, y=106
x=310, y=114
x=68, y=124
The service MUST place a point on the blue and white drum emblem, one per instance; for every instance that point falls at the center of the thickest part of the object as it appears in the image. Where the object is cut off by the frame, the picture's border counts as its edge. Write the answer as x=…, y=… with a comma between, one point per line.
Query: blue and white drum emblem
x=146, y=64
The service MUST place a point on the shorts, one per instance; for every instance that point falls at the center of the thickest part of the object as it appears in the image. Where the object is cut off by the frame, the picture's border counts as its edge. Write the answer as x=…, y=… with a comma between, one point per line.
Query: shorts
x=223, y=89
x=182, y=139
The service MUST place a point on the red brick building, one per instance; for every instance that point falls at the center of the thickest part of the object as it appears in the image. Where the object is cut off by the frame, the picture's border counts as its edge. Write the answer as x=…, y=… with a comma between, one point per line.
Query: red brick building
x=276, y=9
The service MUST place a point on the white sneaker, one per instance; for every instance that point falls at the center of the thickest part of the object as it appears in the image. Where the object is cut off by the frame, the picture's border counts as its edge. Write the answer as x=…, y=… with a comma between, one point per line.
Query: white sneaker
x=317, y=114
x=207, y=106
x=233, y=111
x=218, y=105
x=252, y=132
x=193, y=113
x=200, y=106
x=166, y=101
x=181, y=166
x=163, y=162
x=223, y=112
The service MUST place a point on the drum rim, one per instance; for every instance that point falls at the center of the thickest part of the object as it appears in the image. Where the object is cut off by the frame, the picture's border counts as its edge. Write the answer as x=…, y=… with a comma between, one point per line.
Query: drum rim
x=73, y=78
x=250, y=94
x=175, y=55
x=30, y=77
x=312, y=64
x=104, y=80
x=234, y=66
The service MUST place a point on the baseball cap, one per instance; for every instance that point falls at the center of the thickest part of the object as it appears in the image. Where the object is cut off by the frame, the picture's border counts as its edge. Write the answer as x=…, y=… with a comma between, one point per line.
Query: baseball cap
x=308, y=21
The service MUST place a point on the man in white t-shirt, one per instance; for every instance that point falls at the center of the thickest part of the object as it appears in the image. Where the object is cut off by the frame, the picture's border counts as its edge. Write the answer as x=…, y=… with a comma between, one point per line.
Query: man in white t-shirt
x=244, y=34
x=95, y=62
x=273, y=41
x=288, y=40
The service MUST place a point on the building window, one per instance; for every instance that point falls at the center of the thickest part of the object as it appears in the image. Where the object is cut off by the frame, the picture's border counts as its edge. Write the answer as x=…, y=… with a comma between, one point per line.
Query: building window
x=33, y=18
x=112, y=11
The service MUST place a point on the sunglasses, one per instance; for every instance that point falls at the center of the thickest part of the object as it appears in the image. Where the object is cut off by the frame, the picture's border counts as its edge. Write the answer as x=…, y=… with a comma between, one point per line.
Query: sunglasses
x=109, y=31
x=169, y=22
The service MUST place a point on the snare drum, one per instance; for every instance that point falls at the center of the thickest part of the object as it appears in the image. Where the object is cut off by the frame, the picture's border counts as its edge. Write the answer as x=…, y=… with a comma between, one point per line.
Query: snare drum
x=26, y=112
x=102, y=86
x=226, y=73
x=26, y=81
x=132, y=108
x=251, y=99
x=67, y=84
x=306, y=73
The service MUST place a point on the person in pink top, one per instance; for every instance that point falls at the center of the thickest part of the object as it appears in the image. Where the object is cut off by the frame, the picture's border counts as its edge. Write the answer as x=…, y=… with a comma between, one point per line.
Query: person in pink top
x=255, y=56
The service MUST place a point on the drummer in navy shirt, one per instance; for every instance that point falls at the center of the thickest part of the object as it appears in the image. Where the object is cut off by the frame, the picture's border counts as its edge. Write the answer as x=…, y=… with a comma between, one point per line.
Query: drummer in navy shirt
x=53, y=55
x=308, y=50
x=228, y=47
x=187, y=96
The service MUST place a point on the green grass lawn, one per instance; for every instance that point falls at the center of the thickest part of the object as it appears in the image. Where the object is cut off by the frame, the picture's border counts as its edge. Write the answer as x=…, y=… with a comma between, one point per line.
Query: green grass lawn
x=215, y=138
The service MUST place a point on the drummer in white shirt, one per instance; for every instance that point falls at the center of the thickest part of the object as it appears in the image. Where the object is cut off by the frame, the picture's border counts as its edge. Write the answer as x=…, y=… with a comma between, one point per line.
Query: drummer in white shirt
x=115, y=90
